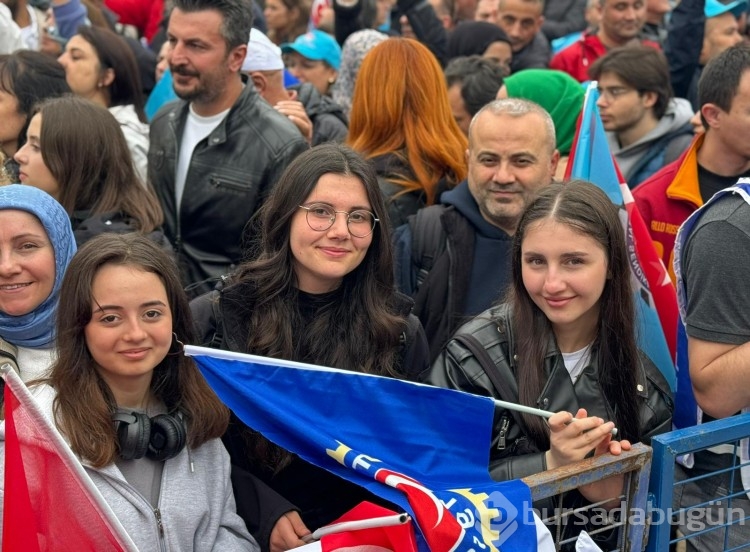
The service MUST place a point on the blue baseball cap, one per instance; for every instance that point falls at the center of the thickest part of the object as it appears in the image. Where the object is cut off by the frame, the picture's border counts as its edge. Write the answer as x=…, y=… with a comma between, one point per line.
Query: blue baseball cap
x=318, y=46
x=715, y=7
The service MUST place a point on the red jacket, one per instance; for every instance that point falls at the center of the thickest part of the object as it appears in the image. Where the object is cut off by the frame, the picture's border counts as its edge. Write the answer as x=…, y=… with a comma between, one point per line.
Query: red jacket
x=667, y=198
x=576, y=59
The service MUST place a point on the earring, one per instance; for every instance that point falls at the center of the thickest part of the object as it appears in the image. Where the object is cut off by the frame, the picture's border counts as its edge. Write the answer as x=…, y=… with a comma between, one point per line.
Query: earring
x=177, y=344
x=331, y=80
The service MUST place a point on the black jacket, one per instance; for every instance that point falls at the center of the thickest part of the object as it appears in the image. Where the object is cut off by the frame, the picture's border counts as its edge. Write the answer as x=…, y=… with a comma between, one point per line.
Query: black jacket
x=469, y=270
x=563, y=17
x=439, y=299
x=87, y=226
x=230, y=173
x=328, y=118
x=683, y=48
x=399, y=202
x=262, y=495
x=535, y=55
x=512, y=455
x=421, y=15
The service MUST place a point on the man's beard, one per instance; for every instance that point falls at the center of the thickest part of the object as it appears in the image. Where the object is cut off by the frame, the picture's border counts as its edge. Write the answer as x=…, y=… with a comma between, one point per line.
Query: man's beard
x=198, y=93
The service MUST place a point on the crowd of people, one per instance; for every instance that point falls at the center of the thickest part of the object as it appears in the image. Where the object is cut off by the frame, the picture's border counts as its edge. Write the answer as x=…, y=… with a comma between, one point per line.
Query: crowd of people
x=372, y=185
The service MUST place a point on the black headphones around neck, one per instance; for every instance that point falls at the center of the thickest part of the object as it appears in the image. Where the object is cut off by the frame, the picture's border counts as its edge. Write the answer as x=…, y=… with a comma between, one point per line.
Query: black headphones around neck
x=159, y=438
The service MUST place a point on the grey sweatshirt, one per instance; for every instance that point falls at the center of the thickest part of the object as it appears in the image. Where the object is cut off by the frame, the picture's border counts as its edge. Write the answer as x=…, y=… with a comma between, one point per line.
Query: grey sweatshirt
x=678, y=114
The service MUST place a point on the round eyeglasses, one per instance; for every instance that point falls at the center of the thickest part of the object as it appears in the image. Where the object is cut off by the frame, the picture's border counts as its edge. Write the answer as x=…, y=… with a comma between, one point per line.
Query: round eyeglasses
x=320, y=217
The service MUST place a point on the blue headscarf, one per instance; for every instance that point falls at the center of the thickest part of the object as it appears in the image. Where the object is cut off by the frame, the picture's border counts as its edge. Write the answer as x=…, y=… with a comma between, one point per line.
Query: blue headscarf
x=37, y=328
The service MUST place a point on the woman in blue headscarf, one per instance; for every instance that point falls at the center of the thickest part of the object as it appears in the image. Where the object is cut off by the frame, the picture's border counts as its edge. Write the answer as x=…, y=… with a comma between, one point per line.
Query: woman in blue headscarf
x=36, y=245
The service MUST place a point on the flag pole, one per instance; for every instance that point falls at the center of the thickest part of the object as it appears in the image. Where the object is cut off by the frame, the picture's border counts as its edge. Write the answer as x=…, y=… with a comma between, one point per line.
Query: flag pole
x=66, y=456
x=534, y=411
x=384, y=521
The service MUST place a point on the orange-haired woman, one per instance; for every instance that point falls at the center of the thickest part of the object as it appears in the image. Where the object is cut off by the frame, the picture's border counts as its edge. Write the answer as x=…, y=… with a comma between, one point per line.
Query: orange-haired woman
x=405, y=126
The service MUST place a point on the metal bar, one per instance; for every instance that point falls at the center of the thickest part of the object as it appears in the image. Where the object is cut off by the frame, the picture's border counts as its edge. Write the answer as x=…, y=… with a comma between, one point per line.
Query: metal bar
x=634, y=465
x=566, y=478
x=666, y=448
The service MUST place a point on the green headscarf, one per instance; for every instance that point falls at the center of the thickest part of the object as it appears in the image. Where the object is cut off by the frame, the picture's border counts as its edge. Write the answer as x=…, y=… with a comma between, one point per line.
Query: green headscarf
x=557, y=92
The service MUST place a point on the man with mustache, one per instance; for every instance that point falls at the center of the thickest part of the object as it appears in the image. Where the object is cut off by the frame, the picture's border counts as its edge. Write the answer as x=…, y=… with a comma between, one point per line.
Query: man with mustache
x=522, y=22
x=621, y=24
x=454, y=258
x=215, y=154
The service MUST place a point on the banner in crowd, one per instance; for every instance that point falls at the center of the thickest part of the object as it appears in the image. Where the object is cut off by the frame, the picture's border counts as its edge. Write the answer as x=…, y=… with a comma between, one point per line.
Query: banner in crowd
x=423, y=448
x=655, y=298
x=49, y=502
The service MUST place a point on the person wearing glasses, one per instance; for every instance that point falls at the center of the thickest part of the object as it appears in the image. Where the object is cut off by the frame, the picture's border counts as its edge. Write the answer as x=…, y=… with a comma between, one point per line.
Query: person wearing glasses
x=647, y=128
x=317, y=286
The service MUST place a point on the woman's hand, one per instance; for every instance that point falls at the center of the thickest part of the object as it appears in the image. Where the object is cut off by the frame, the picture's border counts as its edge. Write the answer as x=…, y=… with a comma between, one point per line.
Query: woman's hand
x=287, y=532
x=571, y=439
x=613, y=447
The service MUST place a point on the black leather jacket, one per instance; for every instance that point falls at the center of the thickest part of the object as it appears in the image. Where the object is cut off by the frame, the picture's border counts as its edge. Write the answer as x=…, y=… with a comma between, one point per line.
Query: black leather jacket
x=230, y=173
x=512, y=455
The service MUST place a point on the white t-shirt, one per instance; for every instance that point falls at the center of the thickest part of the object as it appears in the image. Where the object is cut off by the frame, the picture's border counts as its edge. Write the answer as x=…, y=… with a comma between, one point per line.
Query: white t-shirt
x=196, y=129
x=10, y=35
x=576, y=361
x=30, y=34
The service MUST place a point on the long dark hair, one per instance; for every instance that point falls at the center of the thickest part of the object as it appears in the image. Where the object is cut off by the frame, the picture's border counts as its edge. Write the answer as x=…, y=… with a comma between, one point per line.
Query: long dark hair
x=31, y=77
x=114, y=53
x=586, y=209
x=84, y=148
x=84, y=403
x=359, y=332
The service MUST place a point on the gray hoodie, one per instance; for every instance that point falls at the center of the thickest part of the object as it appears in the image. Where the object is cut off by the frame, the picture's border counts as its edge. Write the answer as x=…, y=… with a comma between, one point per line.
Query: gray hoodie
x=658, y=148
x=196, y=503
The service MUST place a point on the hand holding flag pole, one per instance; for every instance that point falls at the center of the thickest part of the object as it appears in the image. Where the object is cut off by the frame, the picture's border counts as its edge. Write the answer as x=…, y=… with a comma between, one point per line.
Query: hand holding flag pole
x=536, y=412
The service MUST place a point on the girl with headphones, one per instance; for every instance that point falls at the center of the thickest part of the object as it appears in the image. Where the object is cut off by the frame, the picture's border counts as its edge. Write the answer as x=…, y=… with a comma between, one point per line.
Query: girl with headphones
x=137, y=412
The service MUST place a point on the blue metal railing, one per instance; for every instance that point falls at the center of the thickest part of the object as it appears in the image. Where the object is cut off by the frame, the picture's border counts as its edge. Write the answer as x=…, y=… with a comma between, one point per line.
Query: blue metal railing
x=666, y=448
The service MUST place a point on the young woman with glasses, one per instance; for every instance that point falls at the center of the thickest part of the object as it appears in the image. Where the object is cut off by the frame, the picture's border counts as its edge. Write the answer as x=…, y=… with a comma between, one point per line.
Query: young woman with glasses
x=318, y=288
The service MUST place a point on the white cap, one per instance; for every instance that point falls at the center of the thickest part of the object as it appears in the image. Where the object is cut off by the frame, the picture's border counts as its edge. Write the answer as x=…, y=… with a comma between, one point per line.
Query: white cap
x=262, y=54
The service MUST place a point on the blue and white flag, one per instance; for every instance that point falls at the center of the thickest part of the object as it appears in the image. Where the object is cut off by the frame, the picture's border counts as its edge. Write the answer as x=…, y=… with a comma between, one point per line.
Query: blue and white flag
x=423, y=448
x=654, y=295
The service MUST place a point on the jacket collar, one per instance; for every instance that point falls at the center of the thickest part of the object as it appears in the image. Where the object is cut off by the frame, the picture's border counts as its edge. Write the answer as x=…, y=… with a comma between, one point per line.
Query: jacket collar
x=684, y=186
x=218, y=136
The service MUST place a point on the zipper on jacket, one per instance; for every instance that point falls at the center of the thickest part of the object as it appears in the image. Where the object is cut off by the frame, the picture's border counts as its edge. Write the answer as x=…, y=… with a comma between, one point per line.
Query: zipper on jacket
x=228, y=184
x=160, y=525
x=504, y=425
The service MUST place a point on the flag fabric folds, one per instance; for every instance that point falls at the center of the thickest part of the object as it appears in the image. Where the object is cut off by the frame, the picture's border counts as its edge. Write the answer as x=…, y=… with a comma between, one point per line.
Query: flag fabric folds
x=423, y=448
x=49, y=501
x=655, y=298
